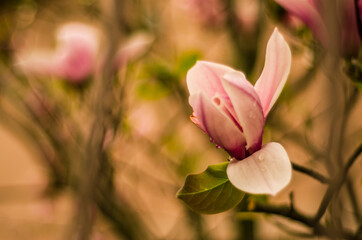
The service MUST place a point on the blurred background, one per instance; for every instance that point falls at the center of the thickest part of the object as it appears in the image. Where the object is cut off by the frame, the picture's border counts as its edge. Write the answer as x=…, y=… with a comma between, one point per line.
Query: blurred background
x=95, y=135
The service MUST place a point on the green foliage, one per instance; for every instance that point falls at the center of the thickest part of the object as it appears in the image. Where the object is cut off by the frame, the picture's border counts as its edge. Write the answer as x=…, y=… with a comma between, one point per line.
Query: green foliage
x=186, y=60
x=187, y=163
x=353, y=69
x=152, y=90
x=161, y=78
x=155, y=82
x=210, y=191
x=162, y=72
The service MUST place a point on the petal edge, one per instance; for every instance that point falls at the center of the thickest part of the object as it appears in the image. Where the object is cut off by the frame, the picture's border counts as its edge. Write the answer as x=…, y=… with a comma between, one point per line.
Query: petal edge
x=275, y=73
x=267, y=171
x=218, y=125
x=247, y=107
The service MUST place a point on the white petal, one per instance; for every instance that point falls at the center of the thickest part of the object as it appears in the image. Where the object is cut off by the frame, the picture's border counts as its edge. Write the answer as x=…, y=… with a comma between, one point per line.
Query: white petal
x=266, y=171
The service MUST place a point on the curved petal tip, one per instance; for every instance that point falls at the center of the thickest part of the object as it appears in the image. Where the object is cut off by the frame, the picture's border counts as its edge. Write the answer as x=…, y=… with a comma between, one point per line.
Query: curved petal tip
x=276, y=70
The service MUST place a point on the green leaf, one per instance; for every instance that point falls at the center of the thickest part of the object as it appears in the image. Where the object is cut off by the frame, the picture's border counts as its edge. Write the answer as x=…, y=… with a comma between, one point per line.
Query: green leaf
x=150, y=90
x=186, y=60
x=210, y=191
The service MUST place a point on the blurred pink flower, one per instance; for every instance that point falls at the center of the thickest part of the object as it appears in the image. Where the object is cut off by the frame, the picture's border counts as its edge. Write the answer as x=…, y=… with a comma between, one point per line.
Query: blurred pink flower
x=134, y=47
x=76, y=52
x=73, y=59
x=206, y=11
x=232, y=112
x=333, y=23
x=248, y=14
x=213, y=13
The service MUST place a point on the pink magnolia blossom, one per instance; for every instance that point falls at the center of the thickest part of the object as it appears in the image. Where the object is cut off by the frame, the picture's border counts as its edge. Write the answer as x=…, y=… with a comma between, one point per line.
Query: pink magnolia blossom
x=74, y=58
x=76, y=51
x=232, y=112
x=334, y=23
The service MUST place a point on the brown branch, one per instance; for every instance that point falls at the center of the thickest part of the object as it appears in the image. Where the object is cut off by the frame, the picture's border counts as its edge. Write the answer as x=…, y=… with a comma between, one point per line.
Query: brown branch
x=311, y=173
x=292, y=214
x=336, y=185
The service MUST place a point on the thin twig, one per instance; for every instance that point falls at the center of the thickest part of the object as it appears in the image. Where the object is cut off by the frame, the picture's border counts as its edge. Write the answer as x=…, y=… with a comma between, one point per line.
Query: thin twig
x=293, y=214
x=285, y=211
x=311, y=173
x=358, y=17
x=349, y=105
x=296, y=136
x=101, y=105
x=336, y=185
x=305, y=81
x=353, y=199
x=359, y=232
x=286, y=228
x=245, y=44
x=125, y=220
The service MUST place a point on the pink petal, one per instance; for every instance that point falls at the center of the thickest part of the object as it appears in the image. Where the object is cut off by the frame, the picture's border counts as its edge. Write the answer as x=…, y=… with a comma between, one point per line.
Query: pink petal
x=197, y=122
x=275, y=73
x=36, y=62
x=79, y=32
x=76, y=51
x=308, y=12
x=218, y=125
x=206, y=77
x=75, y=62
x=350, y=42
x=247, y=106
x=267, y=171
x=137, y=45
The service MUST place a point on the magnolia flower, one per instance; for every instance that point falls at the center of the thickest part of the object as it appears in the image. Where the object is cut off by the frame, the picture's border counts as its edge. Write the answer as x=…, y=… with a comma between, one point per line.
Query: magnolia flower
x=232, y=112
x=334, y=23
x=77, y=51
x=73, y=59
